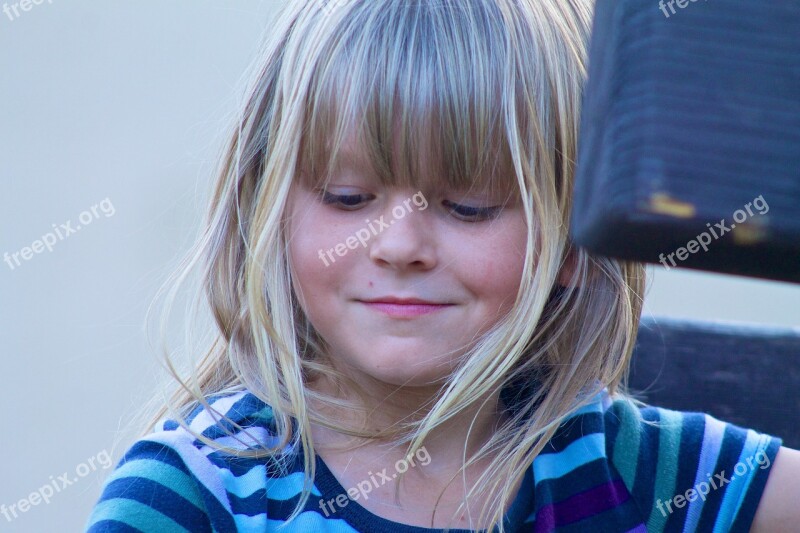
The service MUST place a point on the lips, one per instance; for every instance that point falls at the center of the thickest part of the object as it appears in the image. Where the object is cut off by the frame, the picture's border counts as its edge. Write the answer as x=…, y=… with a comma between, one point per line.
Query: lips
x=401, y=301
x=404, y=307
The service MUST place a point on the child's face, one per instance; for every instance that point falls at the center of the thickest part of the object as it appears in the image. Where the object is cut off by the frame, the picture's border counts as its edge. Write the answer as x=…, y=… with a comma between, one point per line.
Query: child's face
x=364, y=243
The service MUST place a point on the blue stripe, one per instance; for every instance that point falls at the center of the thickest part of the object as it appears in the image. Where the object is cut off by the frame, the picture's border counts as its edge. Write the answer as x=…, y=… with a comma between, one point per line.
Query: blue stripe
x=288, y=487
x=582, y=451
x=310, y=521
x=246, y=484
x=112, y=526
x=736, y=490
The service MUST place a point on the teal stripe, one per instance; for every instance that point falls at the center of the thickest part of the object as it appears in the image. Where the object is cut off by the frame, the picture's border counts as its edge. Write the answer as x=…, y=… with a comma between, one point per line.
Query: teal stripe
x=628, y=441
x=163, y=474
x=137, y=515
x=669, y=442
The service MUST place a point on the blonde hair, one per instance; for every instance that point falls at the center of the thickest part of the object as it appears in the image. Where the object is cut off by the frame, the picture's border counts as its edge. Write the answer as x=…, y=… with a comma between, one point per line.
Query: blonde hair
x=464, y=79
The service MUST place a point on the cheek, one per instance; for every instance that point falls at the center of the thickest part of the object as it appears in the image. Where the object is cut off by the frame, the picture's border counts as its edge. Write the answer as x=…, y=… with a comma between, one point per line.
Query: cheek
x=313, y=229
x=317, y=281
x=308, y=271
x=495, y=270
x=499, y=277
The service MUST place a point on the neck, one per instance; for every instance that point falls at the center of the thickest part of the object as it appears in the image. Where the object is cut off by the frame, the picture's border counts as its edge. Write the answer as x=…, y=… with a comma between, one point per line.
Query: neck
x=387, y=407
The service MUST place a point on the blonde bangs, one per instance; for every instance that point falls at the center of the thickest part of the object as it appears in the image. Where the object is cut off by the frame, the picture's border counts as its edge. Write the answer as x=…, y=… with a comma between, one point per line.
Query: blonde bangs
x=422, y=103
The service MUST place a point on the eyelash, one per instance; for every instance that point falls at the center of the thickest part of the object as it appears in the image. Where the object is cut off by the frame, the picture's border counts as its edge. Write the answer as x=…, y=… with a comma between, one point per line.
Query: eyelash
x=473, y=214
x=351, y=202
x=328, y=199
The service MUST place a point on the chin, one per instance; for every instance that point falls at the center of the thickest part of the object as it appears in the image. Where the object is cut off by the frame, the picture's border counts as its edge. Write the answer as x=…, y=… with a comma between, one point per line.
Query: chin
x=409, y=364
x=406, y=376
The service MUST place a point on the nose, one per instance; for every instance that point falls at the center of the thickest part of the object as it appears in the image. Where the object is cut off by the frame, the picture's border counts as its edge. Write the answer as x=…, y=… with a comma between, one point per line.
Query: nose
x=406, y=240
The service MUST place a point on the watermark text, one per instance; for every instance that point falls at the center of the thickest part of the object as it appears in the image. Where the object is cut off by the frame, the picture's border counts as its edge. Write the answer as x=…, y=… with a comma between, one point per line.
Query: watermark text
x=704, y=239
x=59, y=233
x=682, y=4
x=375, y=480
x=376, y=226
x=57, y=484
x=13, y=11
x=719, y=480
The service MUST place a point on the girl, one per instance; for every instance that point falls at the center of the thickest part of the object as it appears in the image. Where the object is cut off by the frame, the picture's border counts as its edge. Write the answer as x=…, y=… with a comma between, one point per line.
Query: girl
x=405, y=339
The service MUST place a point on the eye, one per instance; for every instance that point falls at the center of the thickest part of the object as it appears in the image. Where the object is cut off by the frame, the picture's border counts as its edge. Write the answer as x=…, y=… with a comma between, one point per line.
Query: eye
x=344, y=201
x=472, y=214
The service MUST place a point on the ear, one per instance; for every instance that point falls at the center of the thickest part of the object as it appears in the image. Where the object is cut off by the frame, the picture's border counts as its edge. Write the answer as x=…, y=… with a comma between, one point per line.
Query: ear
x=568, y=267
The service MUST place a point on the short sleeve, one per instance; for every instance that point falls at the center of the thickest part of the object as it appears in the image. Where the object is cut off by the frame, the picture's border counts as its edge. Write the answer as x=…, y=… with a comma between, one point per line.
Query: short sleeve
x=688, y=471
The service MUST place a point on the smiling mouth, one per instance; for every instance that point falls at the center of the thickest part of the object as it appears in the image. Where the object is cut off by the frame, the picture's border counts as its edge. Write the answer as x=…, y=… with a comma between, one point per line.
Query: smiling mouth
x=404, y=308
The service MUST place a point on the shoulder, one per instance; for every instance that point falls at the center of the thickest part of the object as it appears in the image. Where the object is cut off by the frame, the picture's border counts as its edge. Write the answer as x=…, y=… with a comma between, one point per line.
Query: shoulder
x=178, y=478
x=236, y=419
x=686, y=469
x=216, y=434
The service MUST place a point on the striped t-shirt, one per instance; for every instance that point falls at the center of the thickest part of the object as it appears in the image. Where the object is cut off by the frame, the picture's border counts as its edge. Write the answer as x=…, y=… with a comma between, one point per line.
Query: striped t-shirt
x=611, y=467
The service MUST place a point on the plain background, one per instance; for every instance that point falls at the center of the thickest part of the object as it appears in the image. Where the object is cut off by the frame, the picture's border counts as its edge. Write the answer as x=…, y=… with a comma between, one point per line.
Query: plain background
x=127, y=102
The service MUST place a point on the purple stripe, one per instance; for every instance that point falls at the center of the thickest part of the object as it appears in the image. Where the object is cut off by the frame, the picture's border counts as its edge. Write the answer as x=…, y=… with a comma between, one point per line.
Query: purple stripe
x=638, y=529
x=582, y=505
x=713, y=435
